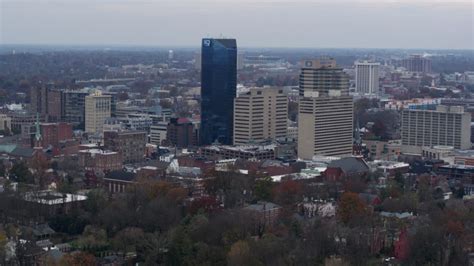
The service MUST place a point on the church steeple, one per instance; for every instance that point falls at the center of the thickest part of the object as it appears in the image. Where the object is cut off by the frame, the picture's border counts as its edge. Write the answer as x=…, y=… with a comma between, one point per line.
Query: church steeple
x=38, y=138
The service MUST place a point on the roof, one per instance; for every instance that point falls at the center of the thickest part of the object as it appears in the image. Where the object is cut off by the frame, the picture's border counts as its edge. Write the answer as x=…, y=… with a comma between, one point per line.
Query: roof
x=262, y=206
x=42, y=229
x=228, y=43
x=22, y=152
x=120, y=175
x=350, y=165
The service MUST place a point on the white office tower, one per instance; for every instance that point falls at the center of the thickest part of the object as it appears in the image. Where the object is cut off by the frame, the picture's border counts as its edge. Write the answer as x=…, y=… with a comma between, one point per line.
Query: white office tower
x=260, y=114
x=367, y=77
x=97, y=110
x=325, y=110
x=445, y=126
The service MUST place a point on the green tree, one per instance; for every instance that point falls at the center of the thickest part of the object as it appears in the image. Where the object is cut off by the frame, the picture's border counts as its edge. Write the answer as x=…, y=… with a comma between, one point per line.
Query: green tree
x=21, y=173
x=263, y=188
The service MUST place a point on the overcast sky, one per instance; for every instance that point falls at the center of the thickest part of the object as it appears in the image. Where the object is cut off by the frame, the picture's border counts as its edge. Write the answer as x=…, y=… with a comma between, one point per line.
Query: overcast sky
x=258, y=23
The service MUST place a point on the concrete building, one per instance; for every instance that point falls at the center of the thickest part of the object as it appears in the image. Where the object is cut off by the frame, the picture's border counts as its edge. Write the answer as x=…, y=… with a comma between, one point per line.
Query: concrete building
x=248, y=152
x=158, y=133
x=446, y=126
x=417, y=63
x=325, y=110
x=130, y=144
x=54, y=105
x=260, y=114
x=97, y=110
x=39, y=100
x=5, y=122
x=367, y=77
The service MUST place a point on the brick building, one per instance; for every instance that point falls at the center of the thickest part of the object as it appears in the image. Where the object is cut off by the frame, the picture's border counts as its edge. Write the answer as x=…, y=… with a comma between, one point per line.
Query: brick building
x=181, y=133
x=99, y=160
x=131, y=144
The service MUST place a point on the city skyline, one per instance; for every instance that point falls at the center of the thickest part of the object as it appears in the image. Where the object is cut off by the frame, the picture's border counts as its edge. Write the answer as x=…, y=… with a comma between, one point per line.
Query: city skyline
x=354, y=24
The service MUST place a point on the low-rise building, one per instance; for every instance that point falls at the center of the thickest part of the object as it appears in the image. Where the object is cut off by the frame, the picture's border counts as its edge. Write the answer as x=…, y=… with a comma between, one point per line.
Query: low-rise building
x=248, y=152
x=130, y=144
x=100, y=160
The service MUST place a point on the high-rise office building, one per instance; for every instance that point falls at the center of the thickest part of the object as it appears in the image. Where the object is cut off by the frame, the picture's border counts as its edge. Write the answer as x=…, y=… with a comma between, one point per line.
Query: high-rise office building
x=260, y=114
x=367, y=77
x=218, y=89
x=46, y=102
x=446, y=126
x=73, y=106
x=325, y=110
x=54, y=105
x=97, y=110
x=39, y=100
x=417, y=63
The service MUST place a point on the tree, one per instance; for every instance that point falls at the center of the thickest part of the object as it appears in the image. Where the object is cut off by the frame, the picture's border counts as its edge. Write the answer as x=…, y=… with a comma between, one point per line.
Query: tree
x=288, y=192
x=350, y=208
x=3, y=243
x=128, y=239
x=263, y=188
x=78, y=259
x=20, y=173
x=240, y=254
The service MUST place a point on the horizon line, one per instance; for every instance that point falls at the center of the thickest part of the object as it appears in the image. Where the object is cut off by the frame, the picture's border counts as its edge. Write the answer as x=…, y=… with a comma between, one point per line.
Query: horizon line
x=198, y=46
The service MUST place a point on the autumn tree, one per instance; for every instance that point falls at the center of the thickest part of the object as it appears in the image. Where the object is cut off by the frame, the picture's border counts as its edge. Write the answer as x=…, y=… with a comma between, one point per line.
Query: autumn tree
x=350, y=207
x=78, y=259
x=288, y=192
x=240, y=254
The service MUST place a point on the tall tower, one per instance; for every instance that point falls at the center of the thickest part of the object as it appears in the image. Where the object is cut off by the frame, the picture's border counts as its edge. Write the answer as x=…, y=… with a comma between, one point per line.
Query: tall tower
x=38, y=139
x=367, y=77
x=218, y=89
x=260, y=114
x=325, y=110
x=97, y=109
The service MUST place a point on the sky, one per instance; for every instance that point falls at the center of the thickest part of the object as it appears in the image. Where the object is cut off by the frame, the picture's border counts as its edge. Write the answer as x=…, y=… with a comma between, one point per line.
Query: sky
x=429, y=24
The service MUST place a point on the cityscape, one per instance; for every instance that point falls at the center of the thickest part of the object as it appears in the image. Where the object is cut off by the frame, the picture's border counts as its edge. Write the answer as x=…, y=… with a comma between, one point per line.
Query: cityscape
x=215, y=153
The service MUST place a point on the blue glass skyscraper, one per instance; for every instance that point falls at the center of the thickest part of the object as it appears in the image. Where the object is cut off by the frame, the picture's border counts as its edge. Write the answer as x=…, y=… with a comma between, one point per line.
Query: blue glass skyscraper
x=218, y=89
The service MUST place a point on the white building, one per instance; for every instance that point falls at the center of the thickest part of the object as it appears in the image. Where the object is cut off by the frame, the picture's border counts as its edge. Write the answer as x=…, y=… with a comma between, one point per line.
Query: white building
x=97, y=110
x=158, y=133
x=260, y=114
x=367, y=77
x=325, y=111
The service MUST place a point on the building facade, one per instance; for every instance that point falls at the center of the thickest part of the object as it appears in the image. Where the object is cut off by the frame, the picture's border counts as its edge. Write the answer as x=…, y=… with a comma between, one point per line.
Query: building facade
x=130, y=144
x=325, y=115
x=260, y=114
x=97, y=110
x=73, y=106
x=445, y=126
x=218, y=90
x=158, y=133
x=180, y=133
x=417, y=63
x=367, y=77
x=99, y=160
x=5, y=123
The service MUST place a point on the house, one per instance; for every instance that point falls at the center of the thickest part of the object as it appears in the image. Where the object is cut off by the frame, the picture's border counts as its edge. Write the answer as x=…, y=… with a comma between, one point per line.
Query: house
x=401, y=246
